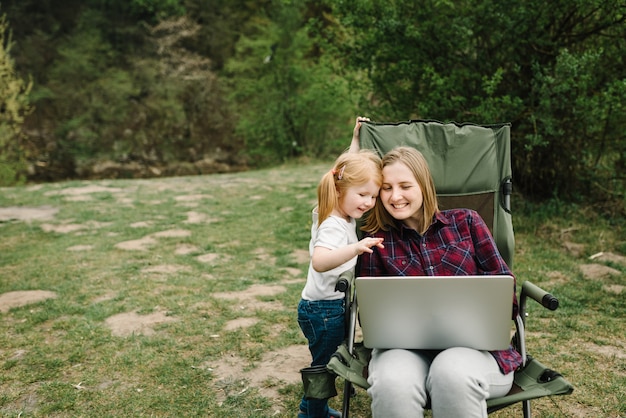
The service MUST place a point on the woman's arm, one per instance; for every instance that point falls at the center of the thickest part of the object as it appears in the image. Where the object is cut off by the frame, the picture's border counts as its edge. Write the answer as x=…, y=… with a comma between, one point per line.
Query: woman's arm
x=488, y=257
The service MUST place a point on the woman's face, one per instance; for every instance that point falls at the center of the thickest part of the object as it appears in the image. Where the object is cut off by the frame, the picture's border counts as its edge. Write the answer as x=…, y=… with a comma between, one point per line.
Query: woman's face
x=401, y=195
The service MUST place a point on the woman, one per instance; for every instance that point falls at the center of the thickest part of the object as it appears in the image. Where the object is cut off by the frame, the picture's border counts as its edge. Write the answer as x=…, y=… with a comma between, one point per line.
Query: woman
x=419, y=239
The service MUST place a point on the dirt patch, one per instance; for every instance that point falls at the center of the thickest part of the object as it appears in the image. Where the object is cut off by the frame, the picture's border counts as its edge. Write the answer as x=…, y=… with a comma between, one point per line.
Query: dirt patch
x=263, y=255
x=141, y=224
x=79, y=248
x=141, y=244
x=598, y=271
x=247, y=300
x=84, y=190
x=611, y=351
x=574, y=249
x=614, y=288
x=301, y=256
x=293, y=271
x=68, y=227
x=25, y=213
x=192, y=197
x=556, y=278
x=276, y=369
x=19, y=298
x=129, y=323
x=609, y=257
x=239, y=323
x=199, y=218
x=165, y=269
x=184, y=249
x=172, y=233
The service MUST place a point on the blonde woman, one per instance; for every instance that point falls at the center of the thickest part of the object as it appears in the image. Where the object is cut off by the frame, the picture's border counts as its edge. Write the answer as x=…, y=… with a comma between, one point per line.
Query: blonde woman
x=420, y=240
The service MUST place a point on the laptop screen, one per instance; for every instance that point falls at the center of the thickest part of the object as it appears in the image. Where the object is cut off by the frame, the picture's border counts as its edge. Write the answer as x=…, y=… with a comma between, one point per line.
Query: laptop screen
x=436, y=312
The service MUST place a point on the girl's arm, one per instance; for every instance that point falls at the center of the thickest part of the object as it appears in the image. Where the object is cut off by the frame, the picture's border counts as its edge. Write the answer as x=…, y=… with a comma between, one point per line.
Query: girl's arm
x=354, y=145
x=325, y=259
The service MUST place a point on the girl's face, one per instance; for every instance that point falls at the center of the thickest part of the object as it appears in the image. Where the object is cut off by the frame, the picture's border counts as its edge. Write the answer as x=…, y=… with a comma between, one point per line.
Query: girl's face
x=356, y=200
x=401, y=195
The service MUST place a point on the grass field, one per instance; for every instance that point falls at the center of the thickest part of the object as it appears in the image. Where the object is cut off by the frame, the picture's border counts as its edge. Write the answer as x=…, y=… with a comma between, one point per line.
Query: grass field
x=177, y=297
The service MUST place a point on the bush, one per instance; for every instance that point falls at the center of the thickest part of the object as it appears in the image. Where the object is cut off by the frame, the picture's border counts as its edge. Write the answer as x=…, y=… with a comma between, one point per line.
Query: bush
x=13, y=107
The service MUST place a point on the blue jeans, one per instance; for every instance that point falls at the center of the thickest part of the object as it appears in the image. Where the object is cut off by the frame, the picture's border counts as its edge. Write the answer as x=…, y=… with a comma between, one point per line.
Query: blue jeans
x=322, y=323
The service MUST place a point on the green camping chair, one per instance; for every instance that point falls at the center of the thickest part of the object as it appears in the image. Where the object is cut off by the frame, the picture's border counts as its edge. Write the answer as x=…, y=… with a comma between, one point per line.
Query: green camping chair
x=471, y=168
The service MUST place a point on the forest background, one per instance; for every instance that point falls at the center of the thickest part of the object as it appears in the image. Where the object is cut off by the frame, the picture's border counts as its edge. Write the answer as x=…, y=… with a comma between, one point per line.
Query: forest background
x=145, y=88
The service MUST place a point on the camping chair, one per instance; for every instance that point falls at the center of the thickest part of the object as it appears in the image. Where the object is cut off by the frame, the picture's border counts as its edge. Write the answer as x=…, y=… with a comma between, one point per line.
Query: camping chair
x=471, y=168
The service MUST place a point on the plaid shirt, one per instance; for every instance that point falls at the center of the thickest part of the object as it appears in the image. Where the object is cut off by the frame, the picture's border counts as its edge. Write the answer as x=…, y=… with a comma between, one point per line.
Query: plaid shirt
x=457, y=243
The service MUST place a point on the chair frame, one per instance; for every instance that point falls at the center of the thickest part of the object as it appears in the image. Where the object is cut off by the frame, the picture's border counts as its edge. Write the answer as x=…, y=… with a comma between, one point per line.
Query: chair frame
x=548, y=382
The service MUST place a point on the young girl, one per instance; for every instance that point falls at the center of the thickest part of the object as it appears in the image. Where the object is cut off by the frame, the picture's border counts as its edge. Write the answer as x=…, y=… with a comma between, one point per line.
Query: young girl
x=344, y=194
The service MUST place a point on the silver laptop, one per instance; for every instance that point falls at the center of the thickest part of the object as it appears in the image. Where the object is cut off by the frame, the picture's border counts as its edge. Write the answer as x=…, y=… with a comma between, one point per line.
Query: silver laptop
x=435, y=312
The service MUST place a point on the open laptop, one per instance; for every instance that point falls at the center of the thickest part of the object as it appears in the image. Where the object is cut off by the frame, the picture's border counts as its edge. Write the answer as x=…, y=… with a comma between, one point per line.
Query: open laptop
x=435, y=312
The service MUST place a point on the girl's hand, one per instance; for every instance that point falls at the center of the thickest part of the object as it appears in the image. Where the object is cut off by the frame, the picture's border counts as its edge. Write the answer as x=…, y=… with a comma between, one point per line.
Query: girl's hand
x=366, y=244
x=354, y=144
x=357, y=126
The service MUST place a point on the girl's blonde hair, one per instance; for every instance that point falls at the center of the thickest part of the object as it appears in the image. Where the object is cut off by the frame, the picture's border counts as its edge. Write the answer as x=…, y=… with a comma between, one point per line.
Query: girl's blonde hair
x=379, y=218
x=350, y=169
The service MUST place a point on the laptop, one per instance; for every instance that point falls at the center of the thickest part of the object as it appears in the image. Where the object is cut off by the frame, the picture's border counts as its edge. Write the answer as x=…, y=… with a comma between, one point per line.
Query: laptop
x=438, y=312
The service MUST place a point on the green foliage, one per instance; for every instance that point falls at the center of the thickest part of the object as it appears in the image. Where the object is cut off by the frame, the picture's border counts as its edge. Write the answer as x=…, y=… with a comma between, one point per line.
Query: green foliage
x=555, y=72
x=159, y=8
x=579, y=118
x=151, y=11
x=160, y=81
x=154, y=107
x=13, y=108
x=290, y=101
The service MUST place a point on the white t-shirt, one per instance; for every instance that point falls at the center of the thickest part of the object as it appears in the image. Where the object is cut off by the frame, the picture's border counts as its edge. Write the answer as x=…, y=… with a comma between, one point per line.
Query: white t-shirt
x=333, y=233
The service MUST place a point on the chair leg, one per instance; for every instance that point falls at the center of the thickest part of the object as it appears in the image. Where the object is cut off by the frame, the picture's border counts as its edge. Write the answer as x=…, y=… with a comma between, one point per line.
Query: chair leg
x=347, y=394
x=526, y=409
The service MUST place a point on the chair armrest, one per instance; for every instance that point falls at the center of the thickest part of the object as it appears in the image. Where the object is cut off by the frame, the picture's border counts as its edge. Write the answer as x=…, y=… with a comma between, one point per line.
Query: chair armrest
x=345, y=281
x=539, y=295
x=545, y=299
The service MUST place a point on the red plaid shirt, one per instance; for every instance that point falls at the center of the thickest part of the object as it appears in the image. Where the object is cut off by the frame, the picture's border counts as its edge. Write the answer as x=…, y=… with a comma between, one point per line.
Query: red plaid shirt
x=457, y=243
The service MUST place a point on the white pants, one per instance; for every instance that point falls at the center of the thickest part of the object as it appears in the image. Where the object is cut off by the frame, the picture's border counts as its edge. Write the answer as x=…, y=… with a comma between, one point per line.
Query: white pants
x=458, y=381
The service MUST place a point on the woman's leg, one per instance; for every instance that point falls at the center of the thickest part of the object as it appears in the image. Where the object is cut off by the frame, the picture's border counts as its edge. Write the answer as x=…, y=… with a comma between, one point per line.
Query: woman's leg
x=462, y=379
x=398, y=382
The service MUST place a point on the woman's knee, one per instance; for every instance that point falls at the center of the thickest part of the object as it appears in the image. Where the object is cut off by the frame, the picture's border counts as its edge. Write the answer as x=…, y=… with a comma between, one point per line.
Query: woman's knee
x=399, y=374
x=456, y=370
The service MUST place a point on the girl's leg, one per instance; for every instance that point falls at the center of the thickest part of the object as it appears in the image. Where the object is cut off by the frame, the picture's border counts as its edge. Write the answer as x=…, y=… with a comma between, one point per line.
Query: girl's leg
x=398, y=382
x=322, y=323
x=462, y=379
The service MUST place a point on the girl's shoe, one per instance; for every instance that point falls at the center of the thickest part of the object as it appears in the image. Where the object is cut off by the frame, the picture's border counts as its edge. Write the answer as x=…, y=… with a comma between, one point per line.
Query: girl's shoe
x=332, y=413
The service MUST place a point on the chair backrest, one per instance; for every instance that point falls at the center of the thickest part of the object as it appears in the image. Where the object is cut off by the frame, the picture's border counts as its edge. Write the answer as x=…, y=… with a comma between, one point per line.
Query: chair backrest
x=470, y=164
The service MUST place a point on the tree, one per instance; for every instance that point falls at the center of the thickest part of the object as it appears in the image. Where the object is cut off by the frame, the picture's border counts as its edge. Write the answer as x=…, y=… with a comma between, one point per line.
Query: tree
x=291, y=99
x=556, y=71
x=13, y=107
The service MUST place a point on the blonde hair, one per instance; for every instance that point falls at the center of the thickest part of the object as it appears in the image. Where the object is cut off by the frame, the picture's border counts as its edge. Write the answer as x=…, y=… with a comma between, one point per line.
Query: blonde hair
x=379, y=218
x=350, y=169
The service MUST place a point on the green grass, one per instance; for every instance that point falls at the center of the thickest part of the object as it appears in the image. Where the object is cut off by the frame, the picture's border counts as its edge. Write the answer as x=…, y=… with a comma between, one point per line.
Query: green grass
x=58, y=357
